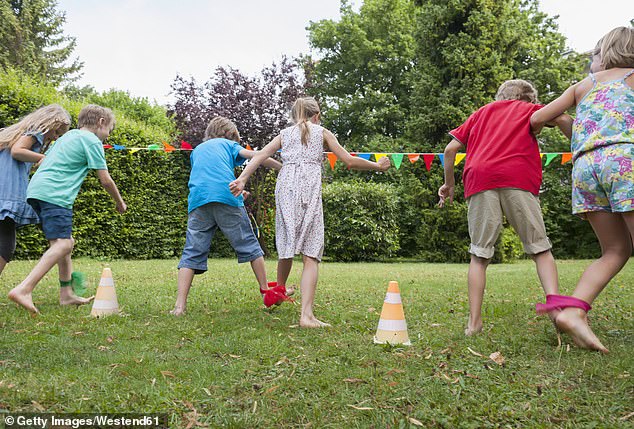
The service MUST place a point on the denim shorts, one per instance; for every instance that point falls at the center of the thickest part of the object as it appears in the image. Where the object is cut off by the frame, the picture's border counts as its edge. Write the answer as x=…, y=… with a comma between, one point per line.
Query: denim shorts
x=57, y=222
x=203, y=222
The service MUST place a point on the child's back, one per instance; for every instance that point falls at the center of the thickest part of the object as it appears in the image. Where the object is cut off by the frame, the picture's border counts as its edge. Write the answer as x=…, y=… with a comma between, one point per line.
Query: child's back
x=502, y=152
x=213, y=164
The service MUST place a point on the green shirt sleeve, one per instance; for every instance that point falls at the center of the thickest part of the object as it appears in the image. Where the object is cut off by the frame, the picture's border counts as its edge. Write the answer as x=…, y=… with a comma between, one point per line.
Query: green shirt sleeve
x=95, y=156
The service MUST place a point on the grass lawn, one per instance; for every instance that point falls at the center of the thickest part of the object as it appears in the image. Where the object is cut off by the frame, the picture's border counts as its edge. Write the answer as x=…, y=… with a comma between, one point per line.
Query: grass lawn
x=231, y=363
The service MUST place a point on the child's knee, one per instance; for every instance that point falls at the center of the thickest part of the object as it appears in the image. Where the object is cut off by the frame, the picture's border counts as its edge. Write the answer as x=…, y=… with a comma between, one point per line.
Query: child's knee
x=65, y=245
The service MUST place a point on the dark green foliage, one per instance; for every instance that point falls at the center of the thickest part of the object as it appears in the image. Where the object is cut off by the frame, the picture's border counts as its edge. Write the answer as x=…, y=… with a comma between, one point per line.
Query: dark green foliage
x=32, y=40
x=361, y=221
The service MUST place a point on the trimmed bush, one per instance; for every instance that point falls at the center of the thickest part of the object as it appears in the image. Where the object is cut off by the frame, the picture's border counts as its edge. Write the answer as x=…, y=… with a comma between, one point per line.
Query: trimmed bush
x=361, y=221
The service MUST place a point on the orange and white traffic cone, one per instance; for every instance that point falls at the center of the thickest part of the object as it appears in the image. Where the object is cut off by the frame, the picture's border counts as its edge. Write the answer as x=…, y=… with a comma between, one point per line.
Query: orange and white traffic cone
x=106, y=299
x=392, y=326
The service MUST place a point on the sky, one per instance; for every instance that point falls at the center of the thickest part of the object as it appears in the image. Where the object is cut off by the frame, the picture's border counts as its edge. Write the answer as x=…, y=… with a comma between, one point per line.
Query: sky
x=141, y=45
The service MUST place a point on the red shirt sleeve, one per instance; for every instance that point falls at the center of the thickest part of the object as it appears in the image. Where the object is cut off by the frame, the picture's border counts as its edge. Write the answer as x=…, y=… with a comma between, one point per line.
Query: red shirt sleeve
x=462, y=132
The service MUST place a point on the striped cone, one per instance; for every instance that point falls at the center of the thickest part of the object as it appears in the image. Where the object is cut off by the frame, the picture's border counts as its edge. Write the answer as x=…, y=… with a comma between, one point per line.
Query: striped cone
x=106, y=299
x=392, y=326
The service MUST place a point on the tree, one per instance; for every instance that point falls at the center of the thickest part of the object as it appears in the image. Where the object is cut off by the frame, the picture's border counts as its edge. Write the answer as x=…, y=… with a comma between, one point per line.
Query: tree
x=32, y=40
x=258, y=105
x=362, y=75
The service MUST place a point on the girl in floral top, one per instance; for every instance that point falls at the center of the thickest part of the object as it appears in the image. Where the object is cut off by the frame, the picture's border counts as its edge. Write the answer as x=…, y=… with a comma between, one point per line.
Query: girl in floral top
x=602, y=177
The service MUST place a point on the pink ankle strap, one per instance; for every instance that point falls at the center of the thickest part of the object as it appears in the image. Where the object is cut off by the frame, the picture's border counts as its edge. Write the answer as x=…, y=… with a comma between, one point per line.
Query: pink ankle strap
x=559, y=302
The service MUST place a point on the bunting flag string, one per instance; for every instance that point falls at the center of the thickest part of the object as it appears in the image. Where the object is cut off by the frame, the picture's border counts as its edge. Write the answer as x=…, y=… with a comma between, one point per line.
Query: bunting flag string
x=397, y=157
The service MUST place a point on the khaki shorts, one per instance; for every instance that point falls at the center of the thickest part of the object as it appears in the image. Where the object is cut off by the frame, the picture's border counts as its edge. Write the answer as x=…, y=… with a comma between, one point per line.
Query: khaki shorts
x=522, y=210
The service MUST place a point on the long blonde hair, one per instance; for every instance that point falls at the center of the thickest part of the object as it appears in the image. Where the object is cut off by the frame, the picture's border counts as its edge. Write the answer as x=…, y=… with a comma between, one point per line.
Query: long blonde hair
x=43, y=120
x=304, y=109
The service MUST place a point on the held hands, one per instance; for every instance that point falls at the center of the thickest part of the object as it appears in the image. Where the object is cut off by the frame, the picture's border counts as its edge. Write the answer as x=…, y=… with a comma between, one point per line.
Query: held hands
x=236, y=187
x=445, y=192
x=384, y=164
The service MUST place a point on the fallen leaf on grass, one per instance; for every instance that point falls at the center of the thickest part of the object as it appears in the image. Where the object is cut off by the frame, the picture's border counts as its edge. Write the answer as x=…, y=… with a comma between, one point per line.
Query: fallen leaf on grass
x=474, y=352
x=284, y=359
x=415, y=422
x=627, y=416
x=78, y=333
x=271, y=389
x=497, y=358
x=394, y=371
x=392, y=384
x=371, y=309
x=435, y=325
x=354, y=380
x=169, y=374
x=110, y=339
x=360, y=408
x=37, y=406
x=293, y=326
x=206, y=391
x=234, y=356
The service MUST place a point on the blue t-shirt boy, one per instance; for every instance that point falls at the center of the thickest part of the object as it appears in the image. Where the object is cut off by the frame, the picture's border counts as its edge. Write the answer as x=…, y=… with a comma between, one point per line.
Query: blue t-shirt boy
x=212, y=169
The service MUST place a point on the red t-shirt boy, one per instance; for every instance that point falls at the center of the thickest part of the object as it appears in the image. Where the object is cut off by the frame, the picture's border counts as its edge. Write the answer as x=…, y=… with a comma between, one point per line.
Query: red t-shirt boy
x=502, y=177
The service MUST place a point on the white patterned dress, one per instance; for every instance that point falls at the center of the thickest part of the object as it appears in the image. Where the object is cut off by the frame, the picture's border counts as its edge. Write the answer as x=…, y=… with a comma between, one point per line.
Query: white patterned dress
x=299, y=216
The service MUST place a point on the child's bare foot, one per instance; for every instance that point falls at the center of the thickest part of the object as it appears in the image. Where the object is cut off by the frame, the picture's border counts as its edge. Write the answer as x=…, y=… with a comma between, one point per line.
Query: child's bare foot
x=18, y=296
x=574, y=322
x=312, y=322
x=73, y=299
x=178, y=311
x=290, y=290
x=473, y=328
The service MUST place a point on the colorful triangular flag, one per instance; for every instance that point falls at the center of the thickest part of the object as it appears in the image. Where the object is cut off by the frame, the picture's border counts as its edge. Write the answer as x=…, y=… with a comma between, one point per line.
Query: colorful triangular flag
x=441, y=157
x=566, y=157
x=154, y=147
x=413, y=157
x=378, y=156
x=459, y=158
x=365, y=156
x=398, y=159
x=168, y=147
x=332, y=159
x=550, y=157
x=428, y=158
x=185, y=145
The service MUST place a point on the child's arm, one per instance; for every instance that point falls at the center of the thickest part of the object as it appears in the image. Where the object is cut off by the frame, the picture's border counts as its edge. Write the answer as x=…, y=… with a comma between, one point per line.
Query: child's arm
x=237, y=186
x=553, y=110
x=21, y=150
x=111, y=187
x=353, y=162
x=268, y=163
x=564, y=123
x=446, y=191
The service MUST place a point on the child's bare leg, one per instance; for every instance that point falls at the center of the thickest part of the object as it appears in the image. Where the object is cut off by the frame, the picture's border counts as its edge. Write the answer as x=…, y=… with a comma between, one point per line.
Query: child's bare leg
x=283, y=271
x=66, y=294
x=308, y=285
x=3, y=264
x=616, y=247
x=21, y=294
x=185, y=278
x=259, y=269
x=548, y=276
x=476, y=282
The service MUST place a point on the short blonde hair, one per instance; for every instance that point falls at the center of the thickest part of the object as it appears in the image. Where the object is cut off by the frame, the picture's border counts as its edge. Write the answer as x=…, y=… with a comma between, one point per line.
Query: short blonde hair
x=517, y=89
x=43, y=120
x=90, y=114
x=303, y=109
x=223, y=128
x=617, y=48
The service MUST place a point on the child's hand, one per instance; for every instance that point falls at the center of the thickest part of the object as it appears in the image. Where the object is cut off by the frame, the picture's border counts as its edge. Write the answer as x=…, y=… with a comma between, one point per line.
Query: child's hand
x=121, y=207
x=384, y=163
x=246, y=194
x=236, y=187
x=445, y=193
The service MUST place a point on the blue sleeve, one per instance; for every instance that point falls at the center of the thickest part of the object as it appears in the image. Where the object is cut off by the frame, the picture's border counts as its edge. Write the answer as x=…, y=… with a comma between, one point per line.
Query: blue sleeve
x=237, y=159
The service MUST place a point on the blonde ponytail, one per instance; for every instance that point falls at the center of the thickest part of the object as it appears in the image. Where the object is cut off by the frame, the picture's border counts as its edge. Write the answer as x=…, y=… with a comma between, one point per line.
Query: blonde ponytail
x=301, y=112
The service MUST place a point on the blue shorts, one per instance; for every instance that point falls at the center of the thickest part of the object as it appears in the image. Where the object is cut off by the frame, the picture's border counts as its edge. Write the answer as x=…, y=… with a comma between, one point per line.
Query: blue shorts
x=203, y=222
x=57, y=222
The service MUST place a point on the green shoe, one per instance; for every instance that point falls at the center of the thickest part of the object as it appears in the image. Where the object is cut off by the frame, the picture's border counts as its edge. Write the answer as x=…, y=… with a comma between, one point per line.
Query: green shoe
x=78, y=280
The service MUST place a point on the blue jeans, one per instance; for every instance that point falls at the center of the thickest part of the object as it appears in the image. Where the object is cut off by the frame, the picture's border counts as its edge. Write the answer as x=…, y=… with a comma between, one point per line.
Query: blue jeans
x=203, y=222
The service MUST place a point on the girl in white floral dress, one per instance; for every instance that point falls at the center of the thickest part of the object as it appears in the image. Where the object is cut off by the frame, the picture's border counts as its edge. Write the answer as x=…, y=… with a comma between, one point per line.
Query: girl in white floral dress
x=299, y=220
